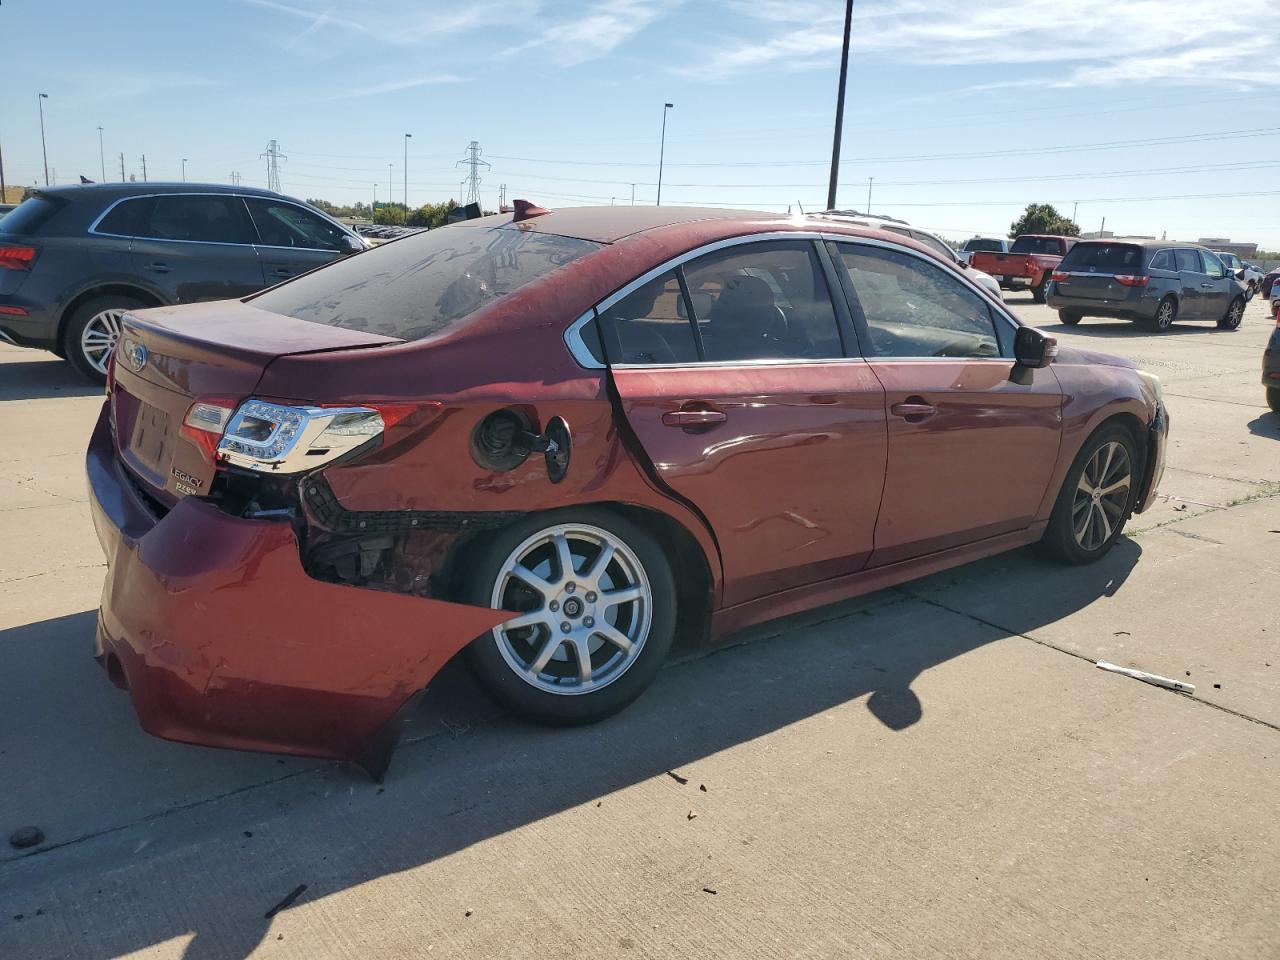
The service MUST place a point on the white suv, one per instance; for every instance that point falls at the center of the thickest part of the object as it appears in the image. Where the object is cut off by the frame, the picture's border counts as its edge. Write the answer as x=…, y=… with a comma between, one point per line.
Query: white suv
x=1250, y=276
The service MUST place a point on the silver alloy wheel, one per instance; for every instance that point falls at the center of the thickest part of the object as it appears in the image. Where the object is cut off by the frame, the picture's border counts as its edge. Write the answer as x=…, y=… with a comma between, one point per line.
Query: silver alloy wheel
x=99, y=337
x=585, y=608
x=1235, y=313
x=1164, y=314
x=1102, y=494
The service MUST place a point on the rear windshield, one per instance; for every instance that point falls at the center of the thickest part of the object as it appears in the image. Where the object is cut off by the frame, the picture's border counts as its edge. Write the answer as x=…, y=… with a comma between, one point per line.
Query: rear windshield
x=420, y=285
x=1109, y=257
x=29, y=215
x=1050, y=245
x=979, y=244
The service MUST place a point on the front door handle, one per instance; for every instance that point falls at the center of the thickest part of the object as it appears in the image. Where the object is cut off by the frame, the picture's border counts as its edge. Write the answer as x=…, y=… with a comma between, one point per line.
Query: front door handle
x=693, y=418
x=913, y=410
x=1207, y=285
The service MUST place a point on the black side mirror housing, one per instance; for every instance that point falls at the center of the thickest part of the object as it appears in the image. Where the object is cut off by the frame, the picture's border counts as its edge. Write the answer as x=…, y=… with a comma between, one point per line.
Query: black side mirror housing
x=1032, y=350
x=352, y=244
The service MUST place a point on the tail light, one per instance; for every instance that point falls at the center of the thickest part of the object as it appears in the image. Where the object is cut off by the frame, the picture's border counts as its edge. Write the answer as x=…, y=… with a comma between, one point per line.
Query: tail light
x=281, y=438
x=1058, y=276
x=1131, y=280
x=17, y=258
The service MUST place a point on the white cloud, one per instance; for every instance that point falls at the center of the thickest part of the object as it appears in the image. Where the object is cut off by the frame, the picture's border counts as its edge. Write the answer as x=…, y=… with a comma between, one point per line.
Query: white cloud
x=596, y=30
x=1095, y=42
x=393, y=86
x=400, y=23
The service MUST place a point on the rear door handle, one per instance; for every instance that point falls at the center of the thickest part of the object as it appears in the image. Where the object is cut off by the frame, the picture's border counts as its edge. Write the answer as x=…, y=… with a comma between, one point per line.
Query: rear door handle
x=693, y=418
x=158, y=267
x=913, y=410
x=1209, y=285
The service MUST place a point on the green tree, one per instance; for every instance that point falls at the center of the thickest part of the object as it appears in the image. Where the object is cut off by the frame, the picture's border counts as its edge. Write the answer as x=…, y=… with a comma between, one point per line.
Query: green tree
x=1043, y=218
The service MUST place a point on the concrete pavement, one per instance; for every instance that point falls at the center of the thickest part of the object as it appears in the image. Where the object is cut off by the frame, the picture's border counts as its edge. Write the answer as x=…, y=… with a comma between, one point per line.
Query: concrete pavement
x=932, y=771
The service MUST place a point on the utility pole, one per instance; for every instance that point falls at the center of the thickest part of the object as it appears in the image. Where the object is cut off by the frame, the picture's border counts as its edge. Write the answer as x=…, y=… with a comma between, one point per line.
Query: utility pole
x=184, y=169
x=144, y=168
x=1074, y=208
x=2, y=189
x=662, y=149
x=633, y=194
x=472, y=160
x=407, y=138
x=274, y=156
x=835, y=141
x=102, y=156
x=870, y=181
x=502, y=198
x=122, y=177
x=40, y=99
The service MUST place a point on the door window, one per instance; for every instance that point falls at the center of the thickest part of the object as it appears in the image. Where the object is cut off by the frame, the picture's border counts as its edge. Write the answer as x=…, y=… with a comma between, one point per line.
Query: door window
x=1212, y=265
x=763, y=301
x=126, y=218
x=1188, y=260
x=916, y=309
x=1162, y=261
x=287, y=225
x=196, y=219
x=651, y=325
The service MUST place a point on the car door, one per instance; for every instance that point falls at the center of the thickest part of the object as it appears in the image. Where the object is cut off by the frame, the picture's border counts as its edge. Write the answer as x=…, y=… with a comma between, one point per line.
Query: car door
x=1194, y=282
x=970, y=452
x=1218, y=286
x=196, y=247
x=743, y=386
x=292, y=239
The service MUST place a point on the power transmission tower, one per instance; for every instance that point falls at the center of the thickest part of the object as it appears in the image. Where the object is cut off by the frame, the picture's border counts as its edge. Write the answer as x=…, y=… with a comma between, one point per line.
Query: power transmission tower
x=502, y=198
x=235, y=178
x=472, y=160
x=274, y=156
x=144, y=168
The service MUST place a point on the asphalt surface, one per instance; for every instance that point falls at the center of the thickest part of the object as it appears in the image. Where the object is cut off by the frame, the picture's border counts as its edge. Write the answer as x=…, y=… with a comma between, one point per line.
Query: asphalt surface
x=937, y=770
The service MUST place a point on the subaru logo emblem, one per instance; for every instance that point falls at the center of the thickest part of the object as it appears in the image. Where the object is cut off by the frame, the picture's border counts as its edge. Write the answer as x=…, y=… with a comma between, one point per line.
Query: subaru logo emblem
x=134, y=354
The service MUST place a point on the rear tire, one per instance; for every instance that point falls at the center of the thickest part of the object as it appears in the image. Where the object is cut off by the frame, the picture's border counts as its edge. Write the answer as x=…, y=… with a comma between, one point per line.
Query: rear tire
x=90, y=334
x=611, y=651
x=1069, y=317
x=1040, y=292
x=1096, y=498
x=1166, y=313
x=1235, y=313
x=1273, y=399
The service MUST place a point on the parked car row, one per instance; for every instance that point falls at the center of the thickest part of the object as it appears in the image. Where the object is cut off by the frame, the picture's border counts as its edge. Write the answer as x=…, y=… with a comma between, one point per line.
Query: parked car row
x=1028, y=264
x=382, y=231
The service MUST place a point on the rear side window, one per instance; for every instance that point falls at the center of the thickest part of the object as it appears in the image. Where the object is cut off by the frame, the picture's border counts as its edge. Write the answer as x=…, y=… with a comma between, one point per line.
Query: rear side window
x=1163, y=261
x=651, y=325
x=126, y=218
x=196, y=219
x=1104, y=257
x=288, y=225
x=1049, y=245
x=30, y=215
x=424, y=283
x=1188, y=260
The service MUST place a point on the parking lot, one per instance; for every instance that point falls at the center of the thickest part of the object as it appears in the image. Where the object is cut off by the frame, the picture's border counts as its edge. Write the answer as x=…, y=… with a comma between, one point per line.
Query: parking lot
x=935, y=770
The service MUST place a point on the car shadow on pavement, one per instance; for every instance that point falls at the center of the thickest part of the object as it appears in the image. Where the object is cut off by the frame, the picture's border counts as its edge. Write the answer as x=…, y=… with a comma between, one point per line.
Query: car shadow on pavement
x=43, y=380
x=466, y=772
x=1265, y=425
x=1128, y=329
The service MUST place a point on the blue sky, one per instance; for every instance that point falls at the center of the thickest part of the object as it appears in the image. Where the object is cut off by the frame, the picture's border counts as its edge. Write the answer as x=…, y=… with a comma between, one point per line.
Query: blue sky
x=961, y=112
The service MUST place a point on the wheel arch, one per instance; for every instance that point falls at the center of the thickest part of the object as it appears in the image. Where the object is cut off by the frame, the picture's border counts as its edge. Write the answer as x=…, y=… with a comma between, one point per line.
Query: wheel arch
x=117, y=288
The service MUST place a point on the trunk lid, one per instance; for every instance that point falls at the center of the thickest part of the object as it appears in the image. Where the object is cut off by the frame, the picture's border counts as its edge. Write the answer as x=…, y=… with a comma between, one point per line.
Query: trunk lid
x=170, y=356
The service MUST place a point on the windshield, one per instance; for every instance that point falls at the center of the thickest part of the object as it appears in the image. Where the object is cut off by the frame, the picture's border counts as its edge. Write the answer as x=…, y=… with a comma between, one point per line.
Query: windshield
x=422, y=284
x=1050, y=245
x=1107, y=257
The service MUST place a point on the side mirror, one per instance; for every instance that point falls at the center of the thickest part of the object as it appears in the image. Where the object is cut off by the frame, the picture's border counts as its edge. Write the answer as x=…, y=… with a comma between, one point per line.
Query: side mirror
x=1032, y=349
x=352, y=244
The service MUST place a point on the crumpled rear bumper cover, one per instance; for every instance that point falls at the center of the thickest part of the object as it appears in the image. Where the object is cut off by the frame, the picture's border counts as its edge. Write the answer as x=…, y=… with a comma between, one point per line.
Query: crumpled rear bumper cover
x=224, y=640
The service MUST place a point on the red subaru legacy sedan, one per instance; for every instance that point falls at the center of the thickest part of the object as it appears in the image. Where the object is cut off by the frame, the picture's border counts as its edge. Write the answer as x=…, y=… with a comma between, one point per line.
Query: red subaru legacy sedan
x=549, y=440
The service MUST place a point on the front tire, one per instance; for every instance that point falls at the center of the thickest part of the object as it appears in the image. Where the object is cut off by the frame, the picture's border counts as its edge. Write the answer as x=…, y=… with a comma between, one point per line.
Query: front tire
x=1096, y=498
x=1273, y=399
x=1235, y=313
x=91, y=332
x=1040, y=292
x=1069, y=317
x=597, y=603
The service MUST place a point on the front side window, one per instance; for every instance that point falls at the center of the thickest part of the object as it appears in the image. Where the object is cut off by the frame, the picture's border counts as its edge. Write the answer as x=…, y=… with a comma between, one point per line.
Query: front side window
x=195, y=219
x=423, y=284
x=286, y=225
x=1212, y=265
x=1188, y=260
x=916, y=309
x=763, y=301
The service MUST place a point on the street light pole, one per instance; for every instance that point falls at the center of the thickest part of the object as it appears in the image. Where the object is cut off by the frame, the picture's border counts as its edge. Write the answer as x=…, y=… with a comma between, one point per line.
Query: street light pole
x=102, y=157
x=662, y=149
x=870, y=181
x=184, y=169
x=43, y=149
x=407, y=136
x=835, y=141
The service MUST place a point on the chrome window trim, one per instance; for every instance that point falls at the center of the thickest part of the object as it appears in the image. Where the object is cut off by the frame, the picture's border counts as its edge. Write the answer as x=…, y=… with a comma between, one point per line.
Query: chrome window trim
x=94, y=231
x=578, y=349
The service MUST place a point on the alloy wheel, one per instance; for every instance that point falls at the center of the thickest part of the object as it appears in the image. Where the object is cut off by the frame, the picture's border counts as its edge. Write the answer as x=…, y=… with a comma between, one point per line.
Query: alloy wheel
x=585, y=608
x=1164, y=315
x=1235, y=313
x=99, y=338
x=1102, y=494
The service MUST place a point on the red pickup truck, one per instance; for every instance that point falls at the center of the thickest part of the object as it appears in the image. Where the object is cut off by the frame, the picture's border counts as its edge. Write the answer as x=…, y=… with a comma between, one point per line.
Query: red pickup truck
x=1028, y=263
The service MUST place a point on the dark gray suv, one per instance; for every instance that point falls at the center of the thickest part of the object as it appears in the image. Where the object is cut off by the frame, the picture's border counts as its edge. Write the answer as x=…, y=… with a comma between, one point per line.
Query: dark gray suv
x=74, y=259
x=1151, y=281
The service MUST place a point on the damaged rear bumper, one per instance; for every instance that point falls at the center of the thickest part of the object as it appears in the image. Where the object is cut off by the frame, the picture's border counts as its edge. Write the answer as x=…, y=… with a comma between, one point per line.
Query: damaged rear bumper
x=222, y=639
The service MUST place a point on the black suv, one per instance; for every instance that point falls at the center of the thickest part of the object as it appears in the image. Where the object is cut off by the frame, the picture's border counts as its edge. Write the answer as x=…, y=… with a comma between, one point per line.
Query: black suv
x=74, y=259
x=1151, y=281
